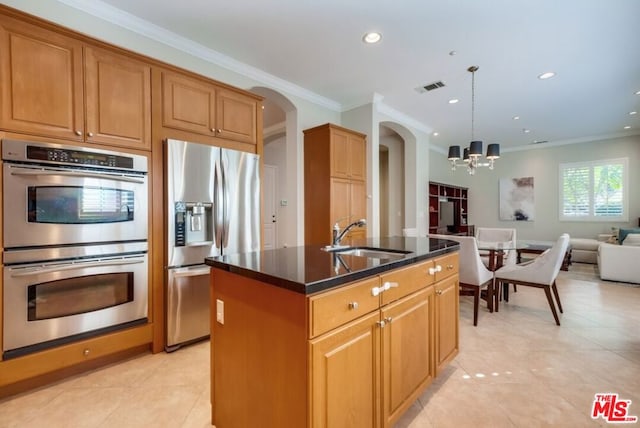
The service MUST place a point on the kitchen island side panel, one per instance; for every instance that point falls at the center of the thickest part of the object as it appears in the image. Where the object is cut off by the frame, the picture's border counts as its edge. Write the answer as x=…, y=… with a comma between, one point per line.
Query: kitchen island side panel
x=264, y=344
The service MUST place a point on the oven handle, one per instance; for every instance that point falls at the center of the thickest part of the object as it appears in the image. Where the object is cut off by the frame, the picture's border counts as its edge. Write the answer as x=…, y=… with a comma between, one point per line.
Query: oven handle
x=84, y=174
x=80, y=265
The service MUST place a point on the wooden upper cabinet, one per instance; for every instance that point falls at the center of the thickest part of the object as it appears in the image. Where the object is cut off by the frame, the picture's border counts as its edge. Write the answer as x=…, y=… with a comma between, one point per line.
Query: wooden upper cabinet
x=188, y=104
x=236, y=116
x=197, y=106
x=348, y=155
x=118, y=99
x=41, y=81
x=358, y=157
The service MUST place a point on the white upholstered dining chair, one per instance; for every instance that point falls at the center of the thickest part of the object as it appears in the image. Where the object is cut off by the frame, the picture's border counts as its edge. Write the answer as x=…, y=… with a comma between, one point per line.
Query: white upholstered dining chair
x=474, y=275
x=496, y=234
x=541, y=272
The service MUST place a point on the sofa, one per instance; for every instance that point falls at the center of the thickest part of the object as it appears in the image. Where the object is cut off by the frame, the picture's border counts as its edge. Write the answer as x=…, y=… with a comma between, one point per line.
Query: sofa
x=585, y=250
x=620, y=262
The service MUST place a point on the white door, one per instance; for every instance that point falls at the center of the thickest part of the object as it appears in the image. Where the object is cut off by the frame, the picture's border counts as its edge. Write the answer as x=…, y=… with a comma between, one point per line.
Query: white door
x=270, y=207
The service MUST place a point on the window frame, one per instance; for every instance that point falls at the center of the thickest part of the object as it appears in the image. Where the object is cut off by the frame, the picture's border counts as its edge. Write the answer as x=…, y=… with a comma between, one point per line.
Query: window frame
x=591, y=217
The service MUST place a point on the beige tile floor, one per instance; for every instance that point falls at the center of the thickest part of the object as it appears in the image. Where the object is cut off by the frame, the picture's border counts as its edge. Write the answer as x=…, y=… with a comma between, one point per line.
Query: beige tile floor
x=515, y=369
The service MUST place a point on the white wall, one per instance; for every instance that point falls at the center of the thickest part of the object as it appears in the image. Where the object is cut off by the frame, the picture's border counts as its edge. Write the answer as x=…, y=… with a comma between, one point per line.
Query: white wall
x=541, y=163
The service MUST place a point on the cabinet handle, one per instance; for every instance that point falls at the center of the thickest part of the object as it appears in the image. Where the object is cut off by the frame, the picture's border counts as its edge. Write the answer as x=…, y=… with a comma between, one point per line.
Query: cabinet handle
x=86, y=352
x=439, y=292
x=353, y=305
x=381, y=323
x=388, y=285
x=384, y=287
x=433, y=270
x=449, y=267
x=90, y=134
x=388, y=320
x=213, y=129
x=219, y=131
x=78, y=133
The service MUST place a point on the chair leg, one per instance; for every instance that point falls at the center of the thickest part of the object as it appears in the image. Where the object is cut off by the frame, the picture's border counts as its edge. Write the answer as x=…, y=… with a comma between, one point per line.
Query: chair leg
x=490, y=293
x=496, y=295
x=515, y=288
x=547, y=291
x=555, y=293
x=476, y=304
x=505, y=291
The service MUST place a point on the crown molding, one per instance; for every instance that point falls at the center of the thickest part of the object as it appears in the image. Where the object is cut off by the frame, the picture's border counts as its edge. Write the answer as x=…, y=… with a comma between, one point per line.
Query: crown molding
x=154, y=32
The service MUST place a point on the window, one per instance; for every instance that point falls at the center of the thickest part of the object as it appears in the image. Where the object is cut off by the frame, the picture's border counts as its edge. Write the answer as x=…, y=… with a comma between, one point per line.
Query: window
x=594, y=191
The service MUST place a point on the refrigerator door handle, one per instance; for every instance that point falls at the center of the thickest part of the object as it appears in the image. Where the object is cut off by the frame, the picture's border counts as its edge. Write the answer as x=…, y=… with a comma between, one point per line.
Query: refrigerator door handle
x=218, y=209
x=226, y=208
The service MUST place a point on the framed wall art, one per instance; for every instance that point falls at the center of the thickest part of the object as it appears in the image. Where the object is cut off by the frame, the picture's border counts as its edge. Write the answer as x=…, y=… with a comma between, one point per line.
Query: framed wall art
x=517, y=199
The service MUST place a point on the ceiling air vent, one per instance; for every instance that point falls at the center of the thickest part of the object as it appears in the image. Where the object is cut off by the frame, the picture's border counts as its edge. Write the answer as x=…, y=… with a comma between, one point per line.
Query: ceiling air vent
x=540, y=142
x=430, y=86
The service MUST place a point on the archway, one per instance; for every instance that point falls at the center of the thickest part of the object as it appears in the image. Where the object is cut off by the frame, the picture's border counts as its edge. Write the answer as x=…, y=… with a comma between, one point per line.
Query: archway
x=280, y=123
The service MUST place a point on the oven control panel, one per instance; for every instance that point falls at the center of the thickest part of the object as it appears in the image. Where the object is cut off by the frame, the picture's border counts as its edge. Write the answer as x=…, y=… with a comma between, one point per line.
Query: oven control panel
x=78, y=157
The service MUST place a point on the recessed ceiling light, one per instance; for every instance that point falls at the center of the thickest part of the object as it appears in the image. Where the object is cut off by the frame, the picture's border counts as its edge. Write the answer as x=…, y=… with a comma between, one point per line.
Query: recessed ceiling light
x=637, y=92
x=516, y=118
x=435, y=134
x=627, y=127
x=547, y=75
x=526, y=131
x=633, y=112
x=372, y=37
x=453, y=101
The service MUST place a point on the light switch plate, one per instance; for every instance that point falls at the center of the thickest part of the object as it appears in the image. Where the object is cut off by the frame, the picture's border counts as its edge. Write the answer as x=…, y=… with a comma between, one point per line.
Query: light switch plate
x=220, y=311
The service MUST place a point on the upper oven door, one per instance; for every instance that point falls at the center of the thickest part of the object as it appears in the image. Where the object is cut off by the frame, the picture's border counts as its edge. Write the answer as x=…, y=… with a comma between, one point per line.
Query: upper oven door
x=57, y=206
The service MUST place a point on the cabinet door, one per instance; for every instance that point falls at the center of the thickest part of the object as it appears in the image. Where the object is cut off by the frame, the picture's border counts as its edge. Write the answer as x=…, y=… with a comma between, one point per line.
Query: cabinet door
x=118, y=92
x=407, y=345
x=236, y=116
x=41, y=81
x=357, y=207
x=339, y=148
x=345, y=375
x=188, y=104
x=358, y=158
x=340, y=202
x=447, y=316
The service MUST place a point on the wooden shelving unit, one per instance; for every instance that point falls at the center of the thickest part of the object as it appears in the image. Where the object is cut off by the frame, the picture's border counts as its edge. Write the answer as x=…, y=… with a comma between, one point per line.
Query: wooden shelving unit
x=458, y=196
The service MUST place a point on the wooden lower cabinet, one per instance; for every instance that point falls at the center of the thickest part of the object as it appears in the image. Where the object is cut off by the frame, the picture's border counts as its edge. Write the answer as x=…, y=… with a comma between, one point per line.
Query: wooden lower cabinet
x=447, y=304
x=368, y=357
x=344, y=394
x=407, y=352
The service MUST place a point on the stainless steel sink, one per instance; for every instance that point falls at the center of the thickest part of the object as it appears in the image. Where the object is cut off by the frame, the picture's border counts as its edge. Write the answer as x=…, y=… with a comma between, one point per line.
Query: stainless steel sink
x=372, y=253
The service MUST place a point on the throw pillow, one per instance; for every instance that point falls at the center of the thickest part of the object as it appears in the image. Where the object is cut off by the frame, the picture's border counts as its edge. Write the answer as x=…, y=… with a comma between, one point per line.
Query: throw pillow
x=632, y=239
x=622, y=234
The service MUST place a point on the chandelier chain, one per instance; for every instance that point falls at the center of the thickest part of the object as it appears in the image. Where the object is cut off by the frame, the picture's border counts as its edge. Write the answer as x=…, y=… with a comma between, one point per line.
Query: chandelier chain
x=473, y=99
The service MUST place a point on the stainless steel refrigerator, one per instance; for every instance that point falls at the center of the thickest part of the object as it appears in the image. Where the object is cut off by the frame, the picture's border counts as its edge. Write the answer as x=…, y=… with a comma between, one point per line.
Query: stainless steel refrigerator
x=213, y=208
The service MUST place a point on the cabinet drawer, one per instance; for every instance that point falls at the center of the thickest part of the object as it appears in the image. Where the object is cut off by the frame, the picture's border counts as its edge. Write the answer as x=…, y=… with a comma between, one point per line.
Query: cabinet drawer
x=449, y=265
x=406, y=280
x=333, y=308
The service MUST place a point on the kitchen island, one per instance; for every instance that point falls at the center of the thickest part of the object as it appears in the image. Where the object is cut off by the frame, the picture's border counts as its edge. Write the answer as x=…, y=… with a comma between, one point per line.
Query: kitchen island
x=304, y=337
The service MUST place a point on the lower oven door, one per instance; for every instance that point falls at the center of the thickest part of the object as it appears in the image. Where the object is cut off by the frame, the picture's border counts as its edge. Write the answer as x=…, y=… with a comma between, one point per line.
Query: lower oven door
x=47, y=304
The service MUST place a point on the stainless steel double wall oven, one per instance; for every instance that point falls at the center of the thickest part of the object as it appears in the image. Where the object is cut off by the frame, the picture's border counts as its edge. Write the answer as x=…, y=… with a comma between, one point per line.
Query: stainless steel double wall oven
x=75, y=243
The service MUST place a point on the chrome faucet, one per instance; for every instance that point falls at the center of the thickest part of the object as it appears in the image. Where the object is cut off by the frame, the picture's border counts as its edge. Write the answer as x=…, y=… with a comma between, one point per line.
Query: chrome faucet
x=337, y=236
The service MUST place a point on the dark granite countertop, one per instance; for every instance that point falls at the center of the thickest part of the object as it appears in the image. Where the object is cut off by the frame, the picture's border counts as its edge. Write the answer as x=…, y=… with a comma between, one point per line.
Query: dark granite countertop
x=309, y=269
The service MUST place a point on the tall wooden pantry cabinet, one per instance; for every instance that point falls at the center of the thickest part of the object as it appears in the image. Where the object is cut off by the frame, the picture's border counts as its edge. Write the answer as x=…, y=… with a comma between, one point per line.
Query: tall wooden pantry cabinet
x=335, y=188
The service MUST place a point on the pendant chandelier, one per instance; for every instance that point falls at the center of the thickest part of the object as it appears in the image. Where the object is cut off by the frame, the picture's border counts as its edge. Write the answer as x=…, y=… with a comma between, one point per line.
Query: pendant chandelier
x=472, y=154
